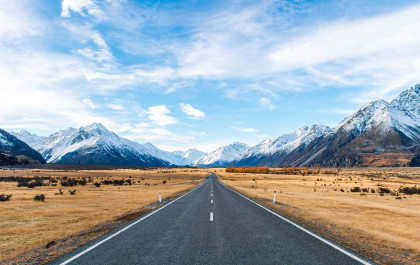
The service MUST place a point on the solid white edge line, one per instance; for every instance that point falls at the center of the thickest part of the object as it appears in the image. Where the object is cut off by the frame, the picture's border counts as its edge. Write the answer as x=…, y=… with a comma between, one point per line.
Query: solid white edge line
x=303, y=229
x=125, y=228
x=211, y=216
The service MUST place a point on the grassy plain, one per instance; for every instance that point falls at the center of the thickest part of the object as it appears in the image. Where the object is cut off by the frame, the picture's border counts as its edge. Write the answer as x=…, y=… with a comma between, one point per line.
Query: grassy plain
x=380, y=227
x=26, y=224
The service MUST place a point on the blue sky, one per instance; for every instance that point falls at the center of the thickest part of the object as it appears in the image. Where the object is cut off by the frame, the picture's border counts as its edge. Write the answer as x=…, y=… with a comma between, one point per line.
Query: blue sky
x=184, y=74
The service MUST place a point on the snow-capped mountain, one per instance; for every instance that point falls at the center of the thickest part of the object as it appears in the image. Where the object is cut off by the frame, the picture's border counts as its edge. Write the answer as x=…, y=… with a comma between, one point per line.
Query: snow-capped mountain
x=32, y=140
x=222, y=155
x=409, y=101
x=188, y=157
x=178, y=158
x=282, y=145
x=81, y=145
x=92, y=144
x=381, y=116
x=378, y=134
x=14, y=151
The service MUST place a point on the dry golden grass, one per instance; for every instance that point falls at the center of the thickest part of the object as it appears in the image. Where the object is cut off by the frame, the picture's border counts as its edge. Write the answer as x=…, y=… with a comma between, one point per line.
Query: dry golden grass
x=26, y=224
x=382, y=228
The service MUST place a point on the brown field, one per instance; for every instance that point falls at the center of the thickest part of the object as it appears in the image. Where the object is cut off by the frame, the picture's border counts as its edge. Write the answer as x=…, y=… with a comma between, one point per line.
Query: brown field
x=26, y=224
x=384, y=228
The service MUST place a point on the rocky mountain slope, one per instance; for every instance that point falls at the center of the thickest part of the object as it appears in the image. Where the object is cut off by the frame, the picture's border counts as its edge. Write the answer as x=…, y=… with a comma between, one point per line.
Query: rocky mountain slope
x=92, y=144
x=15, y=152
x=378, y=134
x=280, y=146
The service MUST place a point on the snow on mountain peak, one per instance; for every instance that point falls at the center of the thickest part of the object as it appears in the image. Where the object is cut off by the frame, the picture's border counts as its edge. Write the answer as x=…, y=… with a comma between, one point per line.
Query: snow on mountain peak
x=287, y=142
x=223, y=154
x=369, y=116
x=409, y=101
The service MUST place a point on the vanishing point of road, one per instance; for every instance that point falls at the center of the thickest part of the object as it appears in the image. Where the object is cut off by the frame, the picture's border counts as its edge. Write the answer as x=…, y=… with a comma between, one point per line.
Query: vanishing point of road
x=211, y=225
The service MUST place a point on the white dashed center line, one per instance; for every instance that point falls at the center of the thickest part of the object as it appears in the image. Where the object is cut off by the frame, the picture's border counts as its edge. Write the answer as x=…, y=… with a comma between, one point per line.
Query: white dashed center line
x=211, y=216
x=211, y=201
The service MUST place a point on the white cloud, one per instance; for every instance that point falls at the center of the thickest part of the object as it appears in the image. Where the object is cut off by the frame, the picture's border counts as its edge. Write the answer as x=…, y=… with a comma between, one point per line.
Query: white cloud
x=150, y=132
x=267, y=103
x=115, y=106
x=83, y=7
x=247, y=130
x=17, y=21
x=159, y=115
x=381, y=53
x=191, y=111
x=175, y=86
x=89, y=103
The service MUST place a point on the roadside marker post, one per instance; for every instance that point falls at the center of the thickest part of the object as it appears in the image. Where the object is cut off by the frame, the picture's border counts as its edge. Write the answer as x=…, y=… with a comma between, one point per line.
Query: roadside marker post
x=160, y=198
x=274, y=200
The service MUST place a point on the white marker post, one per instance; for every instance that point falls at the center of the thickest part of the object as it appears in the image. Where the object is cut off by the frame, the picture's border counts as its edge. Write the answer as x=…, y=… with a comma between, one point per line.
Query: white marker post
x=274, y=200
x=160, y=198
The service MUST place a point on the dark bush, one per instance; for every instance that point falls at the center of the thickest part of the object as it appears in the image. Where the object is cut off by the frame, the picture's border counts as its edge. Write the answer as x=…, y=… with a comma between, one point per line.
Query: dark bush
x=164, y=182
x=115, y=182
x=342, y=190
x=384, y=190
x=365, y=190
x=409, y=190
x=5, y=197
x=355, y=189
x=97, y=184
x=39, y=197
x=72, y=192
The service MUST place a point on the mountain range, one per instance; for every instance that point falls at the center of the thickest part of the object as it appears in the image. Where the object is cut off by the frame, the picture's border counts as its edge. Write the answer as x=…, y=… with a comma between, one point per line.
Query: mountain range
x=378, y=134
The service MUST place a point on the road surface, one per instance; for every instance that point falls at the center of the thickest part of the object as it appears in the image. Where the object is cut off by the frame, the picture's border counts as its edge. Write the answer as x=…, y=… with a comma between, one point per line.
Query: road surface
x=211, y=225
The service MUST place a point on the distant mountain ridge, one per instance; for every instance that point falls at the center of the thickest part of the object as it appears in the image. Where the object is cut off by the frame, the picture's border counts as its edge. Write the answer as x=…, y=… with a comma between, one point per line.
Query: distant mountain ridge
x=282, y=145
x=222, y=155
x=378, y=134
x=94, y=144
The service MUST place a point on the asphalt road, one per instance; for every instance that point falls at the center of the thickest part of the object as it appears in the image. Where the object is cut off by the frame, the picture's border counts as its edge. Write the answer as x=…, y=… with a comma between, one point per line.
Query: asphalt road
x=211, y=225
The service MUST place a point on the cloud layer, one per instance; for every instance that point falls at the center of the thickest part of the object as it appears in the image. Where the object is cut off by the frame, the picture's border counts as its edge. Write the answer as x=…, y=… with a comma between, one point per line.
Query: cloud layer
x=107, y=61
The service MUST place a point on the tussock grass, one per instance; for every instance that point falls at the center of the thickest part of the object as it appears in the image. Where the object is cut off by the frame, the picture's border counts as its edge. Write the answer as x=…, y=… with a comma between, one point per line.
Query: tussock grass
x=26, y=224
x=377, y=225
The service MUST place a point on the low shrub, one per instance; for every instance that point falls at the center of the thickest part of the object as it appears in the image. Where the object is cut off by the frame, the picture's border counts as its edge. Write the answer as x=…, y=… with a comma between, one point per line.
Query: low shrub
x=39, y=197
x=258, y=170
x=384, y=190
x=355, y=189
x=409, y=190
x=5, y=197
x=72, y=192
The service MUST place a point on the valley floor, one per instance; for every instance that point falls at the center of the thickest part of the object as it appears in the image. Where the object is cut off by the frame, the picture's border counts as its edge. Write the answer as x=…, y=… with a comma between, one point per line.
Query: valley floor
x=382, y=227
x=26, y=224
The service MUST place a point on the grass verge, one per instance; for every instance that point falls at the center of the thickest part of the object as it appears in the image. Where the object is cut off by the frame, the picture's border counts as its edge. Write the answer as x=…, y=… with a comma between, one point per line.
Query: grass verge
x=379, y=227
